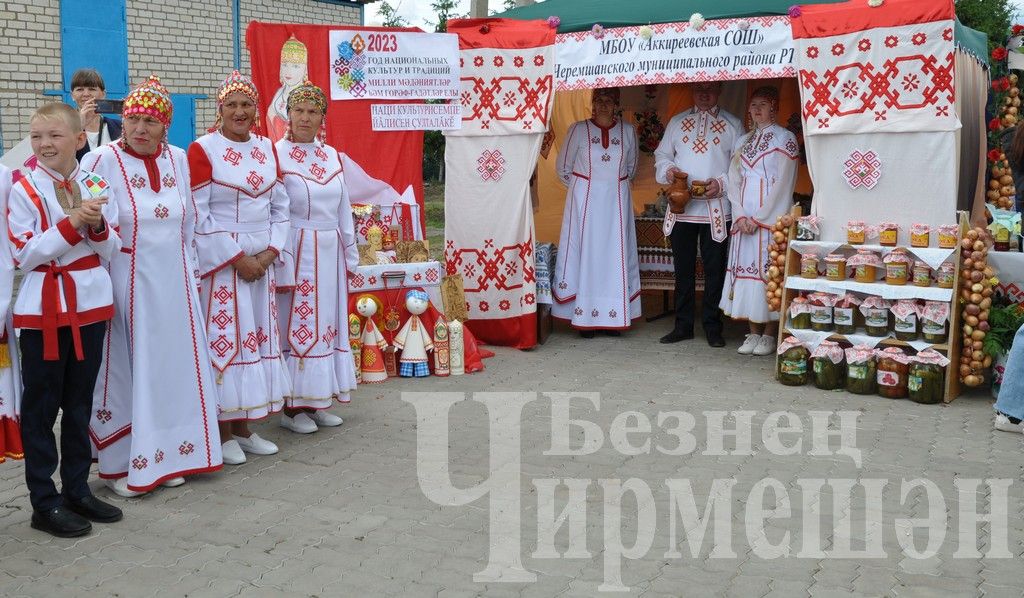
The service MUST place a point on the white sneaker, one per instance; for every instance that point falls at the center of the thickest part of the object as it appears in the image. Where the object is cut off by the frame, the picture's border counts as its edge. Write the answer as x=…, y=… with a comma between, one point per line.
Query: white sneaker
x=256, y=445
x=173, y=482
x=120, y=488
x=765, y=346
x=1004, y=424
x=301, y=424
x=232, y=452
x=325, y=418
x=749, y=344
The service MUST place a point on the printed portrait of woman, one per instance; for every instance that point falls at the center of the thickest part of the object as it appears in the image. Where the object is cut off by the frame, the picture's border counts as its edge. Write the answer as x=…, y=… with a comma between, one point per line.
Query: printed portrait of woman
x=293, y=72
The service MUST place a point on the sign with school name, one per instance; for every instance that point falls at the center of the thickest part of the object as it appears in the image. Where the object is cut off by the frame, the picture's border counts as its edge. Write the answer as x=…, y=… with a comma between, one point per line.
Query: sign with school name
x=721, y=50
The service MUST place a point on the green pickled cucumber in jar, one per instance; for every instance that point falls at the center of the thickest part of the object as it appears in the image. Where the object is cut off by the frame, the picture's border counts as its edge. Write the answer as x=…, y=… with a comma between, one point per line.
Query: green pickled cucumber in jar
x=793, y=367
x=861, y=371
x=926, y=382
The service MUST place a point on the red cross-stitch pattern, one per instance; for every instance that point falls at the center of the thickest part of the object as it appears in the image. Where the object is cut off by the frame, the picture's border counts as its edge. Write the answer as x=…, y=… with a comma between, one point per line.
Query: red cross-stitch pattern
x=251, y=342
x=298, y=154
x=137, y=181
x=222, y=319
x=222, y=346
x=258, y=155
x=718, y=127
x=304, y=310
x=161, y=211
x=502, y=268
x=104, y=415
x=302, y=334
x=521, y=100
x=223, y=295
x=158, y=456
x=254, y=180
x=700, y=145
x=305, y=288
x=491, y=165
x=186, y=448
x=169, y=181
x=232, y=157
x=320, y=153
x=140, y=463
x=317, y=171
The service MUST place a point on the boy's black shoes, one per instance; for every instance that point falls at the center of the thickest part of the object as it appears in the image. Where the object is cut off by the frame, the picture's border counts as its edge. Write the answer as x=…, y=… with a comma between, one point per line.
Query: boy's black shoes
x=60, y=522
x=94, y=509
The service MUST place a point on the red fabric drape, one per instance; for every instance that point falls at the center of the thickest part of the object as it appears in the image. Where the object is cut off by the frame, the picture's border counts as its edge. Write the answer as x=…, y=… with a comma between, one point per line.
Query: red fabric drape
x=392, y=156
x=825, y=20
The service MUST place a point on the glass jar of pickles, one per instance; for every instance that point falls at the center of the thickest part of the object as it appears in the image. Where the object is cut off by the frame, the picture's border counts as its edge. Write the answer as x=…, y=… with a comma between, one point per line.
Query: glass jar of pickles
x=892, y=373
x=821, y=311
x=888, y=234
x=920, y=235
x=835, y=266
x=844, y=314
x=945, y=276
x=856, y=232
x=935, y=322
x=948, y=236
x=926, y=381
x=793, y=359
x=829, y=364
x=799, y=313
x=876, y=316
x=807, y=228
x=809, y=265
x=865, y=264
x=922, y=274
x=861, y=370
x=905, y=319
x=897, y=267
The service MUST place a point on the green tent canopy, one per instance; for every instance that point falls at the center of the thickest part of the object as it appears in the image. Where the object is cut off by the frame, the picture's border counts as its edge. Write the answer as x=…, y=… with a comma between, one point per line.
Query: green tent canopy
x=580, y=15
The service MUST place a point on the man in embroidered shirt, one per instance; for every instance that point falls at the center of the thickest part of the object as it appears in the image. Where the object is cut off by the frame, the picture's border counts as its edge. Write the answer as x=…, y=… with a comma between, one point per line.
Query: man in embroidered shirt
x=699, y=143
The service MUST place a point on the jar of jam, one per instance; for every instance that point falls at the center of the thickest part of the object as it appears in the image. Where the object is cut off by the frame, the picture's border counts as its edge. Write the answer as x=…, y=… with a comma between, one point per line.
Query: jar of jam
x=888, y=234
x=821, y=311
x=946, y=275
x=905, y=319
x=897, y=266
x=865, y=265
x=948, y=236
x=892, y=373
x=1002, y=237
x=809, y=265
x=835, y=266
x=861, y=371
x=920, y=235
x=922, y=275
x=935, y=322
x=856, y=232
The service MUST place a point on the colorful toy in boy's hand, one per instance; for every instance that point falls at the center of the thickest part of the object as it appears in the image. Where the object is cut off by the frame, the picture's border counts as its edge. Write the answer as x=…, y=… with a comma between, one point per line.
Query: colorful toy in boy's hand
x=414, y=338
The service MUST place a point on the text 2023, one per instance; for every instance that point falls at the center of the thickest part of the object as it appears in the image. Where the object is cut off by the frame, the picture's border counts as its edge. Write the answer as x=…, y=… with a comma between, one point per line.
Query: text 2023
x=383, y=42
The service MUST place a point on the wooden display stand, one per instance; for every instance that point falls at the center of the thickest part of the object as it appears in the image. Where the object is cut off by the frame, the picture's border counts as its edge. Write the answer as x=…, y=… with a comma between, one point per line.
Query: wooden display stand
x=951, y=348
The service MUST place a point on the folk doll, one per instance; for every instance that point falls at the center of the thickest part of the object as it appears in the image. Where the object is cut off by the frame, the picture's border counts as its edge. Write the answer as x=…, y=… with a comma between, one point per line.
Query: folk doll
x=457, y=350
x=355, y=344
x=373, y=342
x=441, y=352
x=414, y=338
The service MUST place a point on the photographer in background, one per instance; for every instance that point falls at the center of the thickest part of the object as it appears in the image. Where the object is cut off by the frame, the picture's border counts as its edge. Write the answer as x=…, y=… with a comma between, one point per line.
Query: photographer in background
x=87, y=88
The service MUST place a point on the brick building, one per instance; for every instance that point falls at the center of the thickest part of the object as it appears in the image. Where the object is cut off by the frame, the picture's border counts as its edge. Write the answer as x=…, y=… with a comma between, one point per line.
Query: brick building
x=190, y=44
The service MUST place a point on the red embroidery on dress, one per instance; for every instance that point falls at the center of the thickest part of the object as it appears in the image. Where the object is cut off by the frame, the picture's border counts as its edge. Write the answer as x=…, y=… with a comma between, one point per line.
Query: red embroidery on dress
x=700, y=145
x=688, y=124
x=892, y=41
x=222, y=319
x=161, y=211
x=491, y=165
x=718, y=127
x=320, y=153
x=103, y=415
x=187, y=447
x=169, y=181
x=137, y=181
x=518, y=61
x=504, y=305
x=158, y=457
x=298, y=154
x=838, y=49
x=223, y=295
x=612, y=313
x=140, y=463
x=305, y=288
x=594, y=313
x=232, y=157
x=261, y=336
x=251, y=342
x=258, y=155
x=578, y=311
x=329, y=336
x=304, y=310
x=254, y=180
x=302, y=334
x=484, y=306
x=864, y=45
x=919, y=39
x=529, y=298
x=317, y=171
x=222, y=346
x=358, y=280
x=812, y=52
x=538, y=60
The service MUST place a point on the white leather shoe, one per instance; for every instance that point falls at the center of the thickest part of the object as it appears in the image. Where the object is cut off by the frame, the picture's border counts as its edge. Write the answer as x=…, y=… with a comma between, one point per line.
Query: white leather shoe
x=120, y=488
x=301, y=424
x=1004, y=424
x=749, y=344
x=765, y=345
x=173, y=482
x=325, y=418
x=232, y=452
x=256, y=445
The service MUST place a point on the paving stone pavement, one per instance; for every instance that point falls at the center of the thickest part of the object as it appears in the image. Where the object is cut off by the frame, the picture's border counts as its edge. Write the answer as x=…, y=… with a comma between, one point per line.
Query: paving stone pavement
x=341, y=512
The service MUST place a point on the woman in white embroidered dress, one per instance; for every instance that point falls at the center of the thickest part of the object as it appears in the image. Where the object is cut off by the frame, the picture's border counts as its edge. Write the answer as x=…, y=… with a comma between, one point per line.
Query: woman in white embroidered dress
x=762, y=175
x=321, y=254
x=596, y=283
x=235, y=172
x=155, y=402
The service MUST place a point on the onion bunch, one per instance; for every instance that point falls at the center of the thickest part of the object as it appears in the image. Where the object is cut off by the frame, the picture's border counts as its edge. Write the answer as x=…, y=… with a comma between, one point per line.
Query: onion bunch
x=777, y=261
x=976, y=281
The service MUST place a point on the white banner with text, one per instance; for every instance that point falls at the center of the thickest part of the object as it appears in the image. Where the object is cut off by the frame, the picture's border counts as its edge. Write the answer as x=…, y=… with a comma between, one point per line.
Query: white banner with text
x=384, y=65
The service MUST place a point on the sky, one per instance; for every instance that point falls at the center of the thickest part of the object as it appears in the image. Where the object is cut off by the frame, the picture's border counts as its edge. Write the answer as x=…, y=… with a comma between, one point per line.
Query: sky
x=418, y=12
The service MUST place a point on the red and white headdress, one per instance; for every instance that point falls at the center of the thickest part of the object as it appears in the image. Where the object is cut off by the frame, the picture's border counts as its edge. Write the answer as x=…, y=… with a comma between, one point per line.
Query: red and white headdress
x=149, y=98
x=236, y=82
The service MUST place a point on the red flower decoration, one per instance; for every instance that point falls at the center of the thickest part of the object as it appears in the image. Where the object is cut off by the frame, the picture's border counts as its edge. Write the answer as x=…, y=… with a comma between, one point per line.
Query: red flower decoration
x=994, y=124
x=484, y=306
x=838, y=49
x=864, y=45
x=1017, y=30
x=499, y=61
x=812, y=51
x=947, y=34
x=478, y=61
x=1000, y=84
x=999, y=53
x=518, y=61
x=538, y=60
x=919, y=39
x=891, y=41
x=993, y=155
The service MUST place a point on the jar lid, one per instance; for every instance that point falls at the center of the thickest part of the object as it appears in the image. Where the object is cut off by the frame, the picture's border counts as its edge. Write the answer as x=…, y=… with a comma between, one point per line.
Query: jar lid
x=835, y=257
x=894, y=353
x=930, y=356
x=920, y=264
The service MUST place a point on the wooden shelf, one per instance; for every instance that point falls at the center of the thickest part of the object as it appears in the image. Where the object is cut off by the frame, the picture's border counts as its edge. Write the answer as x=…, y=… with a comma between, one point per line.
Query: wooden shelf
x=886, y=341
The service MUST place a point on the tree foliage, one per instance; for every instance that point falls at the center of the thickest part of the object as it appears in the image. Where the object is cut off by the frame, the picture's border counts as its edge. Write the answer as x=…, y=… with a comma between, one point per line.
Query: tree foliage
x=991, y=17
x=389, y=15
